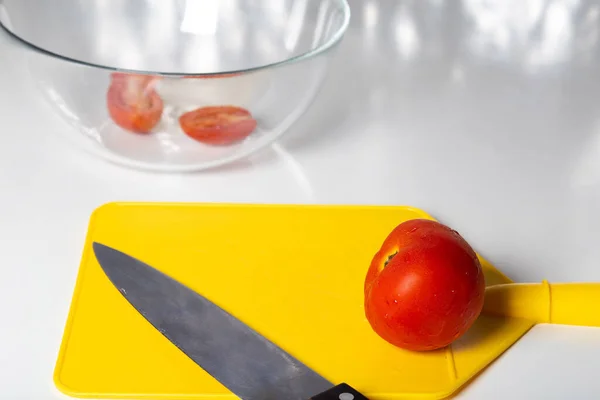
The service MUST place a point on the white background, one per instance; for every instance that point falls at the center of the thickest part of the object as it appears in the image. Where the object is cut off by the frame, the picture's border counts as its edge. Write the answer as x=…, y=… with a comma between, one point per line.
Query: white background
x=494, y=130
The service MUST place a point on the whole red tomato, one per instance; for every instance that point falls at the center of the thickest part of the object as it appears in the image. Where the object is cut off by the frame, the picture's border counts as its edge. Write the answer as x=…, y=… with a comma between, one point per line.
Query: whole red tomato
x=425, y=286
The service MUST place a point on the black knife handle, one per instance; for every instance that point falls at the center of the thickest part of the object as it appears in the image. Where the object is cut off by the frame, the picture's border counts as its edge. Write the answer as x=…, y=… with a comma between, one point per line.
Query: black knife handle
x=342, y=391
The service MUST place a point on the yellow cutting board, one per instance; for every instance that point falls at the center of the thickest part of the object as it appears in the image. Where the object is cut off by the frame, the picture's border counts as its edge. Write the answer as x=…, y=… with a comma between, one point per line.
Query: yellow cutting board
x=293, y=273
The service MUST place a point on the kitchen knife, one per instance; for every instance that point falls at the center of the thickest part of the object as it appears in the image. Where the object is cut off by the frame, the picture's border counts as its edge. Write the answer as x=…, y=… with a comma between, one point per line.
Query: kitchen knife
x=246, y=363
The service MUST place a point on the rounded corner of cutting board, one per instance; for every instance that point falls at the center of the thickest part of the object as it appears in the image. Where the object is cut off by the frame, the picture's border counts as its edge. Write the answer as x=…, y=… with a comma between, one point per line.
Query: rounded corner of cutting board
x=103, y=208
x=154, y=225
x=63, y=387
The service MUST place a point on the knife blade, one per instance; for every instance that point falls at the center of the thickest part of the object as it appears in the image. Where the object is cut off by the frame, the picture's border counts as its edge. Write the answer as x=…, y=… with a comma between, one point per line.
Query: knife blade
x=241, y=359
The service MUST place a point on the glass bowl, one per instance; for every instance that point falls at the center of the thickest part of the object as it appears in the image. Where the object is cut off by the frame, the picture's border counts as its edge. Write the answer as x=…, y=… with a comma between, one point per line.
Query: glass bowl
x=177, y=85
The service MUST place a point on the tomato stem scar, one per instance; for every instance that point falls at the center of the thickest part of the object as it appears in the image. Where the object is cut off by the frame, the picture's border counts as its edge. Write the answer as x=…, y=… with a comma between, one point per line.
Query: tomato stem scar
x=390, y=258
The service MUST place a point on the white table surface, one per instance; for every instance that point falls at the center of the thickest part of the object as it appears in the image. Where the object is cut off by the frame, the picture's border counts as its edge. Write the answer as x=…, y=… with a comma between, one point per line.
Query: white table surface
x=488, y=118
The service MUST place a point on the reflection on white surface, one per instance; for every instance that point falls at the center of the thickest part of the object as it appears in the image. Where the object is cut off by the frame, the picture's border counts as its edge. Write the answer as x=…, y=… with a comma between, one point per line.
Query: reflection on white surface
x=370, y=15
x=529, y=35
x=588, y=36
x=556, y=36
x=200, y=17
x=370, y=20
x=436, y=3
x=500, y=24
x=73, y=118
x=210, y=56
x=61, y=104
x=162, y=35
x=295, y=24
x=538, y=33
x=266, y=44
x=587, y=167
x=405, y=33
x=130, y=45
x=297, y=172
x=458, y=74
x=276, y=13
x=168, y=145
x=232, y=16
x=321, y=25
x=103, y=45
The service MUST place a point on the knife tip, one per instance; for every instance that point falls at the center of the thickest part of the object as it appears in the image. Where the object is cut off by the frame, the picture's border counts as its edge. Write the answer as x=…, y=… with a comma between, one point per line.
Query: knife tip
x=97, y=246
x=101, y=251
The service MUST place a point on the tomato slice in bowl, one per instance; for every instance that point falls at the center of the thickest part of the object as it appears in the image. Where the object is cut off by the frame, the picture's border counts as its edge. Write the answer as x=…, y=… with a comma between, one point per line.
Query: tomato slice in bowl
x=132, y=102
x=218, y=125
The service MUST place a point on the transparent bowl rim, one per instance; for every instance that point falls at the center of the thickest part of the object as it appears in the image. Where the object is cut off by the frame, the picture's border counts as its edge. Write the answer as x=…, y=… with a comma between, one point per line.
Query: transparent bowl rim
x=335, y=39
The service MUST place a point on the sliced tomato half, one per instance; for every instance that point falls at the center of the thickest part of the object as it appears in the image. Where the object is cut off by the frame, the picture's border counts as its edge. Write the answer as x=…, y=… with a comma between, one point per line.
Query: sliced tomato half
x=132, y=102
x=218, y=125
